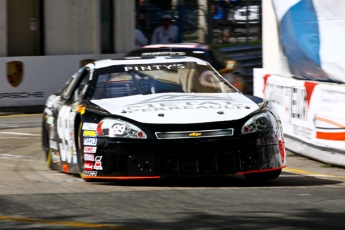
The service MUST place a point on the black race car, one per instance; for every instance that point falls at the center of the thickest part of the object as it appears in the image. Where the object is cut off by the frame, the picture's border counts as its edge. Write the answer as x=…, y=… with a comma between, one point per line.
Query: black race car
x=154, y=117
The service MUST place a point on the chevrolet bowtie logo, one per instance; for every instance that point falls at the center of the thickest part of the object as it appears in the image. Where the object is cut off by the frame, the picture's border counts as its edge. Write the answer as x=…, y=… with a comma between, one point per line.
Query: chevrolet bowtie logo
x=195, y=134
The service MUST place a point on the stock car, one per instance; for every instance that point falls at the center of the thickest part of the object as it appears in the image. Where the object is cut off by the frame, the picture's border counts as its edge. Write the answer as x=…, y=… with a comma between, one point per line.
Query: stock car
x=156, y=117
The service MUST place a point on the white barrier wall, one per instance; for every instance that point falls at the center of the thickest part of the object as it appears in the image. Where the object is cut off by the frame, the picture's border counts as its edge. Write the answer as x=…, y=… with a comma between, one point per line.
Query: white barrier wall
x=312, y=114
x=41, y=76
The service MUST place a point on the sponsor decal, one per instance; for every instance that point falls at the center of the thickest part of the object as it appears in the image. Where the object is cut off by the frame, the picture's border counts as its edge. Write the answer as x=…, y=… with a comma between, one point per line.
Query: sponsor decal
x=182, y=102
x=98, y=163
x=90, y=141
x=88, y=165
x=195, y=134
x=89, y=157
x=89, y=149
x=89, y=133
x=15, y=73
x=53, y=144
x=155, y=67
x=51, y=132
x=90, y=173
x=72, y=116
x=50, y=120
x=183, y=98
x=90, y=126
x=166, y=53
x=21, y=95
x=295, y=99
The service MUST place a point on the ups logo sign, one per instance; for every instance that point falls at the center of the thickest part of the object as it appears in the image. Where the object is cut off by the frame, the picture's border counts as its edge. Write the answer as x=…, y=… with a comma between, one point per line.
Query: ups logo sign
x=15, y=72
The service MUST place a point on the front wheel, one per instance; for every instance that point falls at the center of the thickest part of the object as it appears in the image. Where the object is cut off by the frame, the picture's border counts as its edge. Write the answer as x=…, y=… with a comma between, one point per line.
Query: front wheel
x=263, y=176
x=47, y=149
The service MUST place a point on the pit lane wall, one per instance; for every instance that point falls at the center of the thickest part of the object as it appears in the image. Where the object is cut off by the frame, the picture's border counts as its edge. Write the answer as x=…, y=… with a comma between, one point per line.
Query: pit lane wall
x=302, y=38
x=28, y=81
x=312, y=114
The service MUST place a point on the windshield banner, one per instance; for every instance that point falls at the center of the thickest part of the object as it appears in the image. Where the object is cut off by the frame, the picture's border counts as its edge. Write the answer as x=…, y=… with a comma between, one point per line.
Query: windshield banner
x=147, y=67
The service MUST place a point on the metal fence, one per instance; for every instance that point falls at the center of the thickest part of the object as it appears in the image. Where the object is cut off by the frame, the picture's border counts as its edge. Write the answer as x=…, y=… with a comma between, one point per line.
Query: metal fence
x=236, y=22
x=249, y=57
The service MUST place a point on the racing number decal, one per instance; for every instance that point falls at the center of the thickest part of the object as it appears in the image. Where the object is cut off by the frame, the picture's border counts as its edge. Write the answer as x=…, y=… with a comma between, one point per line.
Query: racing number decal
x=64, y=133
x=119, y=129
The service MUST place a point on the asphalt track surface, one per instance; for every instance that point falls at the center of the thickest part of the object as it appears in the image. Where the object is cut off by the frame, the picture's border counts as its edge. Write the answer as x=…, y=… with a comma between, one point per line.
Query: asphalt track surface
x=308, y=195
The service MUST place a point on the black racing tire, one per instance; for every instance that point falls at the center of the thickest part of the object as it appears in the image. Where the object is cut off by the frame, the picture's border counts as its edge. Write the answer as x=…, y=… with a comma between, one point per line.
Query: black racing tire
x=46, y=148
x=80, y=156
x=263, y=176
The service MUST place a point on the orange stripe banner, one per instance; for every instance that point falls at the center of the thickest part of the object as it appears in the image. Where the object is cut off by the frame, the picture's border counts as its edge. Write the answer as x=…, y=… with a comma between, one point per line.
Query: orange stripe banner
x=331, y=136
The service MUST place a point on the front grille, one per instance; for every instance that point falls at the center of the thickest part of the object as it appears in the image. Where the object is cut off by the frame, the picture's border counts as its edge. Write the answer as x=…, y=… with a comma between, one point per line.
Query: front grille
x=196, y=134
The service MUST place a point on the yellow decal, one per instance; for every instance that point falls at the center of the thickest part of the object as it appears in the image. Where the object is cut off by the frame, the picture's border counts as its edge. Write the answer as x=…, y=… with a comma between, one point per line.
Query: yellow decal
x=195, y=134
x=89, y=133
x=81, y=109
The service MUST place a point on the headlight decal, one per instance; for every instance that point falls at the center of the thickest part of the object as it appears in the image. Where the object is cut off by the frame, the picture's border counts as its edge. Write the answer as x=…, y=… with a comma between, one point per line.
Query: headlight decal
x=117, y=128
x=259, y=123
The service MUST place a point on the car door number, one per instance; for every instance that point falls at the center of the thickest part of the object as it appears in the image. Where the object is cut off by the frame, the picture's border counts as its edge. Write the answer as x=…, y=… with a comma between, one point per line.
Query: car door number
x=63, y=130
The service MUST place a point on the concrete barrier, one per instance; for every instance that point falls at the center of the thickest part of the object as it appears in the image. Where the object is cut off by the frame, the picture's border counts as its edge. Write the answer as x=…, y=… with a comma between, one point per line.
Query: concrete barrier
x=28, y=81
x=312, y=114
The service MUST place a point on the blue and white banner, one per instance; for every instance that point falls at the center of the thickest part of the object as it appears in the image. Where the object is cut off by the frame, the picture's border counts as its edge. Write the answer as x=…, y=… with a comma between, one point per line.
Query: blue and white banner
x=311, y=35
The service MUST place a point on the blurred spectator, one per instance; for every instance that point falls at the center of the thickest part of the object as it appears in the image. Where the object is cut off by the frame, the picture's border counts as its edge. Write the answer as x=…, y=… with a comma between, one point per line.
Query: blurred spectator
x=141, y=12
x=221, y=9
x=165, y=34
x=140, y=39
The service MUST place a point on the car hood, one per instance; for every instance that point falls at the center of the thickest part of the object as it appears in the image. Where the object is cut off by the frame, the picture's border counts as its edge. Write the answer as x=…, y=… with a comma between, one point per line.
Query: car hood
x=180, y=108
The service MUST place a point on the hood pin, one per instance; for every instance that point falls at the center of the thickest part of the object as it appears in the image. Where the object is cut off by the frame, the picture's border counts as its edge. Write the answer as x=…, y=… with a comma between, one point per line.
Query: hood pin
x=124, y=111
x=160, y=115
x=220, y=112
x=247, y=107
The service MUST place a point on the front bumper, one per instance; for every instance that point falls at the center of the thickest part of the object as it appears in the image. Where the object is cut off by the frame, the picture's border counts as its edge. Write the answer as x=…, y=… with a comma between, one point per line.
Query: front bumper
x=140, y=159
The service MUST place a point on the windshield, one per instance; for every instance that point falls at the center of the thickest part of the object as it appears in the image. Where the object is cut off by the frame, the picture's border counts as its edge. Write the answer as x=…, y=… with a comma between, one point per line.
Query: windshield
x=184, y=77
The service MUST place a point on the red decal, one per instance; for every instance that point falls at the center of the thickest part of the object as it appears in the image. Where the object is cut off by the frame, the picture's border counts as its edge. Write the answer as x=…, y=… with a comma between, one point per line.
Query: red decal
x=99, y=128
x=265, y=83
x=282, y=150
x=88, y=165
x=98, y=163
x=309, y=87
x=331, y=136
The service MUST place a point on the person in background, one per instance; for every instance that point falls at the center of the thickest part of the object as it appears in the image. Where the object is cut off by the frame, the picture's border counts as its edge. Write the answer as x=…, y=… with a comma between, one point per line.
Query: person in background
x=141, y=12
x=165, y=34
x=140, y=39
